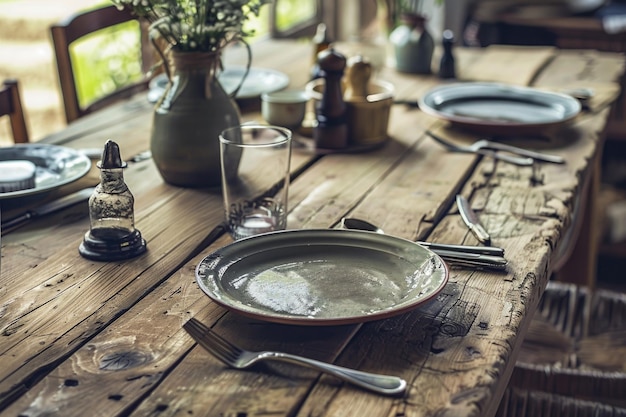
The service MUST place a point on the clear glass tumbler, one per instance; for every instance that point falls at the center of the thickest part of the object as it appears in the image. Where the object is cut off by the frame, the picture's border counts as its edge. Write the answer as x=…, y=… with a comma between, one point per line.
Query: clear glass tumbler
x=255, y=162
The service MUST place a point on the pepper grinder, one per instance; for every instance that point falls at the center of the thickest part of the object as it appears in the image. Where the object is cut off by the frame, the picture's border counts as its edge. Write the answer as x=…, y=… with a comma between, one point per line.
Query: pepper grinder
x=112, y=235
x=447, y=65
x=331, y=131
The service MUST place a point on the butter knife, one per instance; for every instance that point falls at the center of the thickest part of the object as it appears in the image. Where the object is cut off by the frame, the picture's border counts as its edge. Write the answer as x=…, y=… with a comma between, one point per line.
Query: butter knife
x=47, y=208
x=471, y=220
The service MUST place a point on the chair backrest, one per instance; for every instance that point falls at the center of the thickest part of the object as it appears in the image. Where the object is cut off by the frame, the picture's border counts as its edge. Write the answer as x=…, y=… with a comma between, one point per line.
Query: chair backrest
x=11, y=105
x=74, y=28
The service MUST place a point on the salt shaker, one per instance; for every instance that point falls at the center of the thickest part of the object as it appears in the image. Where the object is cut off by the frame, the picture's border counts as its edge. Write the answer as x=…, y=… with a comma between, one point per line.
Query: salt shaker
x=358, y=76
x=447, y=65
x=112, y=235
x=331, y=131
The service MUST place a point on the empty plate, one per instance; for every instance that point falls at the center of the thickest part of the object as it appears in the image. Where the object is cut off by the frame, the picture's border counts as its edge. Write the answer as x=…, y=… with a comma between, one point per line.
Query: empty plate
x=321, y=277
x=499, y=108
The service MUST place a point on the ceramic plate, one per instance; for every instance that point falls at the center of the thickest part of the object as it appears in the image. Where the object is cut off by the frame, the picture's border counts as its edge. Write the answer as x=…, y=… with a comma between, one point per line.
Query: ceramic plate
x=56, y=166
x=258, y=81
x=499, y=108
x=321, y=277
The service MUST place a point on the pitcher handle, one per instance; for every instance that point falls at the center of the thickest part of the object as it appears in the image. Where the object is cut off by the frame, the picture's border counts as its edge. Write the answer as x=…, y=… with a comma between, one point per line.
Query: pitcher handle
x=233, y=94
x=164, y=63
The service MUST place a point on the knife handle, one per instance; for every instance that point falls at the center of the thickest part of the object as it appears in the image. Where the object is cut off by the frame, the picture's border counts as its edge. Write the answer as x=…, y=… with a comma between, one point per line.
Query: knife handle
x=485, y=250
x=495, y=260
x=15, y=222
x=555, y=159
x=515, y=160
x=481, y=234
x=487, y=261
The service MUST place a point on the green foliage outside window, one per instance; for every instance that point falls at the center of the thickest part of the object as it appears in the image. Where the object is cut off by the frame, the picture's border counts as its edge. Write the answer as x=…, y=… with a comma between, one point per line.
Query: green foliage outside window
x=111, y=58
x=107, y=60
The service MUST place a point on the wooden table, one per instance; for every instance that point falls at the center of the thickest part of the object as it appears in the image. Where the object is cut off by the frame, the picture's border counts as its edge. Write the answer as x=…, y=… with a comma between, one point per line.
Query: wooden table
x=105, y=339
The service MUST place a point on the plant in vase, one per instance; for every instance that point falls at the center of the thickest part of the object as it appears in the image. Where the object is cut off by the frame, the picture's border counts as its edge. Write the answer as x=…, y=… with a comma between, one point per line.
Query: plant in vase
x=413, y=44
x=194, y=108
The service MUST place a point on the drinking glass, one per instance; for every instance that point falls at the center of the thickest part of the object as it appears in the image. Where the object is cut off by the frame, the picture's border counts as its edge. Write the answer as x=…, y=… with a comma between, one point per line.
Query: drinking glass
x=255, y=163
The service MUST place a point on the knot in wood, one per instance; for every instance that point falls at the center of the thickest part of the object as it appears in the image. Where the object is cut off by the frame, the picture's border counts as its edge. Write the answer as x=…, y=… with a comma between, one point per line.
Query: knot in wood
x=123, y=360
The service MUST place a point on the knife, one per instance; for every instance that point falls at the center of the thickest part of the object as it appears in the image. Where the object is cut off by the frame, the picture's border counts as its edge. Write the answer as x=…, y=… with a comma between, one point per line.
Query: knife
x=47, y=208
x=473, y=259
x=471, y=220
x=483, y=250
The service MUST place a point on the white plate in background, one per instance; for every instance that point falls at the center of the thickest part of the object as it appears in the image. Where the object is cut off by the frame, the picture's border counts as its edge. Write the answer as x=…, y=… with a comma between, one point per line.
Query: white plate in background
x=55, y=166
x=258, y=81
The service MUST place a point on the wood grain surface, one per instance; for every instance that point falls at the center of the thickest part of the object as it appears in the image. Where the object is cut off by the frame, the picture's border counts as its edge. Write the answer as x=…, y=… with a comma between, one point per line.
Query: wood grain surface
x=105, y=339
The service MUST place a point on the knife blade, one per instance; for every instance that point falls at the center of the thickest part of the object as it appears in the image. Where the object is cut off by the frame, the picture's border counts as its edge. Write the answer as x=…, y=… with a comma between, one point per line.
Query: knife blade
x=47, y=208
x=471, y=220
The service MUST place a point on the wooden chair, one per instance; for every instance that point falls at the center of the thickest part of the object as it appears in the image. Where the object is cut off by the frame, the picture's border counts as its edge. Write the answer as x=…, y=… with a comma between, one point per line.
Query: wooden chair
x=11, y=105
x=76, y=27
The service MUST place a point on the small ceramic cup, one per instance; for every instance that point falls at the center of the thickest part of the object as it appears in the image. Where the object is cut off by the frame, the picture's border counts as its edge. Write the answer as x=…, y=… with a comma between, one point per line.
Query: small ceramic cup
x=284, y=108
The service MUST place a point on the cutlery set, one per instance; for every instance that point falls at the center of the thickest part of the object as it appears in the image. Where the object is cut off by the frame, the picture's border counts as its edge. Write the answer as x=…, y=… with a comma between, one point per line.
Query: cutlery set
x=479, y=257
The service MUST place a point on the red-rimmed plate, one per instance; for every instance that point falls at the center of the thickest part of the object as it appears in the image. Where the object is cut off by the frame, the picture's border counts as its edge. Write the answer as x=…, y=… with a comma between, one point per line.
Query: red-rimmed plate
x=499, y=108
x=321, y=277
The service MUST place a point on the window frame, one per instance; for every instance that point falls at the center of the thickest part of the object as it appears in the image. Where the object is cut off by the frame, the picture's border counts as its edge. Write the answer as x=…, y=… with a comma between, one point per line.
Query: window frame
x=334, y=13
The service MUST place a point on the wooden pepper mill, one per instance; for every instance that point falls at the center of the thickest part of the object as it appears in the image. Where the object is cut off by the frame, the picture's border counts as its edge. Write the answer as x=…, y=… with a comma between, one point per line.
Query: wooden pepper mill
x=331, y=131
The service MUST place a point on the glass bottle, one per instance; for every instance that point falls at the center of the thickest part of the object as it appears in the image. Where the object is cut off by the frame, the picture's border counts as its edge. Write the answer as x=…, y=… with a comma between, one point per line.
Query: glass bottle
x=447, y=64
x=112, y=234
x=111, y=205
x=321, y=42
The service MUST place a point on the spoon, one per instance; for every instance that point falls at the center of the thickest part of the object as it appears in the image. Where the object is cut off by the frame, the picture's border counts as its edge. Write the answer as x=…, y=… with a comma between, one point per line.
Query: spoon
x=491, y=257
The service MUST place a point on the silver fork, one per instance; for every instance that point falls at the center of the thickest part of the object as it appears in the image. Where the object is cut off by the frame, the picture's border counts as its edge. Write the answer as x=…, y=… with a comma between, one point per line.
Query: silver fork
x=484, y=145
x=238, y=358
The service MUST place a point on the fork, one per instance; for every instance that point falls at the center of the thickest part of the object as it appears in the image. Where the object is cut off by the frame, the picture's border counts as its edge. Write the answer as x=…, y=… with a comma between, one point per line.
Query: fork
x=238, y=358
x=485, y=145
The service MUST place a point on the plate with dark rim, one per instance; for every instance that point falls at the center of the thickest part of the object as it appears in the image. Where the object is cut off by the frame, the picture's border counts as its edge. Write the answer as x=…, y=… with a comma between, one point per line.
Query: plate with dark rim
x=320, y=277
x=496, y=108
x=55, y=166
x=257, y=82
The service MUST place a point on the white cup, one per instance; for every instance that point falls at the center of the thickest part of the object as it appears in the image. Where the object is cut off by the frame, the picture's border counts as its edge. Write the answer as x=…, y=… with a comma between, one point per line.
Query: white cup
x=284, y=108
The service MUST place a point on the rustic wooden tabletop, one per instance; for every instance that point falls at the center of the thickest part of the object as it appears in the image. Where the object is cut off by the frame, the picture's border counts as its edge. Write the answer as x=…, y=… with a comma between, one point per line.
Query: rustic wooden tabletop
x=106, y=338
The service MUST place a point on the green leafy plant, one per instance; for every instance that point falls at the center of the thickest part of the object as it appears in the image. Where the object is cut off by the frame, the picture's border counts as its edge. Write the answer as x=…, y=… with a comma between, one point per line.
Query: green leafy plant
x=195, y=25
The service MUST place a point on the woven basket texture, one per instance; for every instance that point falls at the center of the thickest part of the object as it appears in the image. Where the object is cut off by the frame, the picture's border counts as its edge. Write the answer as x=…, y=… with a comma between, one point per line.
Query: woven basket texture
x=574, y=352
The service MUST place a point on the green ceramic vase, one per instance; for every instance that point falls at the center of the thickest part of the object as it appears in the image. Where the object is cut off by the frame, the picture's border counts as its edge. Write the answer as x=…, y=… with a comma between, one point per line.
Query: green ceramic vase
x=188, y=120
x=413, y=45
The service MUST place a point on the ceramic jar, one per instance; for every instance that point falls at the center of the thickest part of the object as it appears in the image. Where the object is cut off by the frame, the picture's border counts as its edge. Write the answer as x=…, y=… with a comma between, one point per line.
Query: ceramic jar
x=188, y=119
x=413, y=45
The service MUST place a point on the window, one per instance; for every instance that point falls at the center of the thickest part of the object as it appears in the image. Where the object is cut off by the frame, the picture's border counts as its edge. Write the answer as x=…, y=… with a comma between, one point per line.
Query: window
x=299, y=18
x=295, y=18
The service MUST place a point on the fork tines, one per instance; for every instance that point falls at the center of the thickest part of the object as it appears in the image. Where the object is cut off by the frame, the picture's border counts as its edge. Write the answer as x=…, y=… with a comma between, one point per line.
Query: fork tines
x=211, y=341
